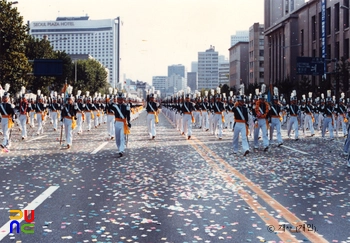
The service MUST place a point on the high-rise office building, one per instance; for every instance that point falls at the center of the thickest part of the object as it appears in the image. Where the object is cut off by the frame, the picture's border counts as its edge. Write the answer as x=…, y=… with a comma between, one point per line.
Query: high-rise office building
x=192, y=81
x=239, y=64
x=79, y=35
x=241, y=35
x=177, y=69
x=208, y=69
x=256, y=53
x=160, y=83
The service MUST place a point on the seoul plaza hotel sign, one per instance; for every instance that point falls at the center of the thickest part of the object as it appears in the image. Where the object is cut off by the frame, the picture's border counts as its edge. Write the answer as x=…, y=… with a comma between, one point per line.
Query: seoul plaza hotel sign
x=53, y=24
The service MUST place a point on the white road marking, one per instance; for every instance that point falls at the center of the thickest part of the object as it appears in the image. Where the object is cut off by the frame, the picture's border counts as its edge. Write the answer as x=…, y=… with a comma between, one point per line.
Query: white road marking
x=99, y=147
x=296, y=150
x=36, y=138
x=5, y=229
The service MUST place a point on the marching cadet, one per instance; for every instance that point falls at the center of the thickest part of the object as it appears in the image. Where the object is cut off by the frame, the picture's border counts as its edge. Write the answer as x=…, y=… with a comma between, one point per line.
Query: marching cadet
x=31, y=109
x=23, y=113
x=218, y=119
x=40, y=108
x=55, y=109
x=198, y=112
x=152, y=117
x=254, y=128
x=240, y=125
x=188, y=119
x=262, y=110
x=101, y=107
x=110, y=116
x=328, y=121
x=205, y=112
x=88, y=111
x=309, y=119
x=95, y=110
x=80, y=107
x=68, y=119
x=211, y=112
x=293, y=112
x=341, y=112
x=230, y=114
x=122, y=123
x=276, y=119
x=321, y=107
x=7, y=117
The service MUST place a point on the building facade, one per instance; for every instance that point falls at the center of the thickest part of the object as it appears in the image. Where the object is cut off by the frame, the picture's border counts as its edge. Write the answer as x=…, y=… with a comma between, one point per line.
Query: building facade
x=208, y=69
x=307, y=32
x=224, y=72
x=192, y=81
x=241, y=35
x=79, y=35
x=160, y=83
x=239, y=64
x=256, y=54
x=177, y=69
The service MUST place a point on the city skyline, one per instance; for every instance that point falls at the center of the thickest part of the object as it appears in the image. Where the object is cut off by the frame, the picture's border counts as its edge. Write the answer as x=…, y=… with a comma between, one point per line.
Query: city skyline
x=157, y=34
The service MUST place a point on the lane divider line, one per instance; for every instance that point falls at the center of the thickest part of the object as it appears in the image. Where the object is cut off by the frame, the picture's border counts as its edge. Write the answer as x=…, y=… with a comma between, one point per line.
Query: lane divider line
x=99, y=147
x=5, y=229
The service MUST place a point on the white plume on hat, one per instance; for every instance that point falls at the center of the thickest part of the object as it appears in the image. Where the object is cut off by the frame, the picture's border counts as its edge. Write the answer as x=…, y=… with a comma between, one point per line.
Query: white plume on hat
x=241, y=89
x=263, y=88
x=342, y=95
x=69, y=89
x=304, y=97
x=310, y=94
x=23, y=90
x=256, y=91
x=275, y=91
x=110, y=90
x=206, y=93
x=218, y=90
x=212, y=91
x=231, y=93
x=7, y=87
x=38, y=92
x=322, y=96
x=87, y=93
x=329, y=93
x=78, y=93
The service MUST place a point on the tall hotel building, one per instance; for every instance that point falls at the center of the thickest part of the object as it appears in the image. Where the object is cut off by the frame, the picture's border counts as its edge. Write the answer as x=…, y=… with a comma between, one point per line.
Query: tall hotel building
x=208, y=69
x=79, y=35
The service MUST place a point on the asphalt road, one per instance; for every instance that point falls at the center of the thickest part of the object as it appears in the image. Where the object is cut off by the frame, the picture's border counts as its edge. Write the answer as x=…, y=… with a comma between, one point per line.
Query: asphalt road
x=174, y=190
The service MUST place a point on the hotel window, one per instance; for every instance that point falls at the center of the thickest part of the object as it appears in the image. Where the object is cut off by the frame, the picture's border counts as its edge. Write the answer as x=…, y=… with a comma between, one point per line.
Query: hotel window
x=328, y=21
x=313, y=26
x=336, y=17
x=345, y=12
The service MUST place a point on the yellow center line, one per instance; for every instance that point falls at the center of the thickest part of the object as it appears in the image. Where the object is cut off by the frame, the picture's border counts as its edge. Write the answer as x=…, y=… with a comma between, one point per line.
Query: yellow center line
x=285, y=213
x=284, y=235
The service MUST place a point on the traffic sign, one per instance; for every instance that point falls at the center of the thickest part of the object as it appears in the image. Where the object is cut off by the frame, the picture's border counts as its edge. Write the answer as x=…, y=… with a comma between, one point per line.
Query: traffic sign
x=310, y=66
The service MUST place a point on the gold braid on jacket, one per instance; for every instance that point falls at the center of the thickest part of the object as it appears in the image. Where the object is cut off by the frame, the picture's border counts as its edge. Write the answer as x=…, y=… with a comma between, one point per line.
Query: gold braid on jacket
x=257, y=109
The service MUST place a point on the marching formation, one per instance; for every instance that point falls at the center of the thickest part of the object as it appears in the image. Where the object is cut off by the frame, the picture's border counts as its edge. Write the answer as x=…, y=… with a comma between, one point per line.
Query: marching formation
x=81, y=112
x=254, y=117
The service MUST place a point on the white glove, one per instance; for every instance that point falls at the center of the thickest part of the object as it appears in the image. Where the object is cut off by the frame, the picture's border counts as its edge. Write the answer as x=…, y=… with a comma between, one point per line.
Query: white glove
x=75, y=106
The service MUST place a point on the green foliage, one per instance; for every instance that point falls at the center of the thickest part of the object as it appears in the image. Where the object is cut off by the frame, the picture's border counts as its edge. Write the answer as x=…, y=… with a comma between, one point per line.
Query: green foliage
x=13, y=34
x=91, y=76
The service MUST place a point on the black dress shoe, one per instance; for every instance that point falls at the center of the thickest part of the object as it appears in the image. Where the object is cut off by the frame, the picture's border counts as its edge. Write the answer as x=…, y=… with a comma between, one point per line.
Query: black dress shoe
x=189, y=137
x=153, y=137
x=121, y=154
x=266, y=148
x=246, y=152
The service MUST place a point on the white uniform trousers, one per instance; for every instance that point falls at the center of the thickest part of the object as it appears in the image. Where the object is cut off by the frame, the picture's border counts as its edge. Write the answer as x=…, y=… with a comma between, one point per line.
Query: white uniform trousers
x=229, y=120
x=179, y=122
x=342, y=124
x=327, y=123
x=110, y=125
x=100, y=119
x=205, y=120
x=40, y=123
x=88, y=120
x=151, y=125
x=240, y=128
x=23, y=123
x=80, y=122
x=211, y=123
x=187, y=124
x=293, y=123
x=95, y=118
x=68, y=130
x=31, y=118
x=6, y=132
x=197, y=118
x=217, y=120
x=262, y=125
x=54, y=117
x=320, y=120
x=119, y=135
x=276, y=123
x=308, y=123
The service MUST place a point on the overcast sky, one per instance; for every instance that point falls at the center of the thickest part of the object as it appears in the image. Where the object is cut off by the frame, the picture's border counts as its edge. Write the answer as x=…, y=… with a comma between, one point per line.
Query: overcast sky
x=158, y=33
